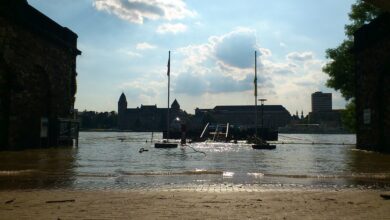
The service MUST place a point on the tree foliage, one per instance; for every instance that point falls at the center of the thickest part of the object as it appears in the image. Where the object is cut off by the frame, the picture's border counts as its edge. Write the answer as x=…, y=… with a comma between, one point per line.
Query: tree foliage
x=361, y=13
x=98, y=120
x=348, y=116
x=340, y=68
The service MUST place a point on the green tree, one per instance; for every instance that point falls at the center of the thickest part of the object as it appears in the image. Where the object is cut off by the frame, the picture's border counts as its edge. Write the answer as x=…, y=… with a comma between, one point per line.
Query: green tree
x=98, y=120
x=340, y=68
x=348, y=116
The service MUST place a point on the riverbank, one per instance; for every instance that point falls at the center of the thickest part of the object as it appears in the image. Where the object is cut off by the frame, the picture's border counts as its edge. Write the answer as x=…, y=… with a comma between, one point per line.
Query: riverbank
x=190, y=204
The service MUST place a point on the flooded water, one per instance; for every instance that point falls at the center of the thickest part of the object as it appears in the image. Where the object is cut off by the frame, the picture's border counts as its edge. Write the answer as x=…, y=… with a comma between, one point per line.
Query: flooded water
x=108, y=160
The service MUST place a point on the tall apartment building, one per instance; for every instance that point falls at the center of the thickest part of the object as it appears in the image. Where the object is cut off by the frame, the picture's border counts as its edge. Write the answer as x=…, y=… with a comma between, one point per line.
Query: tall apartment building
x=321, y=102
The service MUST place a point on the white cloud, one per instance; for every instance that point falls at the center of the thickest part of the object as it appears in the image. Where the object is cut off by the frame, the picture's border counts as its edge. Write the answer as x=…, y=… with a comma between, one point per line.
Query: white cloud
x=230, y=54
x=236, y=49
x=195, y=54
x=224, y=65
x=202, y=71
x=137, y=11
x=215, y=83
x=130, y=53
x=145, y=46
x=264, y=52
x=294, y=82
x=143, y=91
x=279, y=68
x=171, y=28
x=300, y=56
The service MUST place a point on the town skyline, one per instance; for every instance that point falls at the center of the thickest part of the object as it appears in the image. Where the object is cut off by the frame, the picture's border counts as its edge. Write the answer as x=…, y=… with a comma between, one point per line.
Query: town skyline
x=125, y=49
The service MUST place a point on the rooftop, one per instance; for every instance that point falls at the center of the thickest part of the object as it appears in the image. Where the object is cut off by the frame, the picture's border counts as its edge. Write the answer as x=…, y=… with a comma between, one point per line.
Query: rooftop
x=248, y=108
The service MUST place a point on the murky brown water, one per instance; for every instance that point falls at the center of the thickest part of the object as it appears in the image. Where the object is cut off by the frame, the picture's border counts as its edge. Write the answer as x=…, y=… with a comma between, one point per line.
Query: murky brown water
x=106, y=160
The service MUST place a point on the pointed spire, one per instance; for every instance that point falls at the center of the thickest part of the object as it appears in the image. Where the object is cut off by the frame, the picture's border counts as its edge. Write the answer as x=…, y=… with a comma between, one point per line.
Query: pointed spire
x=175, y=105
x=122, y=98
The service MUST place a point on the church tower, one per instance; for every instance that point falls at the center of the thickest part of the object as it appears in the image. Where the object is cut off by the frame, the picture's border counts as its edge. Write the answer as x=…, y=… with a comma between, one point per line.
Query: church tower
x=122, y=106
x=175, y=105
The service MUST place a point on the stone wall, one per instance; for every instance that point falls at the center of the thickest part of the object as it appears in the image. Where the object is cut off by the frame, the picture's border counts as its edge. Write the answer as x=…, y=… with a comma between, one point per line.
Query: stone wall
x=39, y=66
x=372, y=52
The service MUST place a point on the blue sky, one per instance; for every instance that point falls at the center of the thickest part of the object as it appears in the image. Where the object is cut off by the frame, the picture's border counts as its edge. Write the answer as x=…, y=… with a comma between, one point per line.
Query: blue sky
x=125, y=45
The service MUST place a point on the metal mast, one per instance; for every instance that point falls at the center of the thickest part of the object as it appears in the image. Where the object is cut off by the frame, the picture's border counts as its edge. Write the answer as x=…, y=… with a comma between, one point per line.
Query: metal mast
x=168, y=73
x=255, y=82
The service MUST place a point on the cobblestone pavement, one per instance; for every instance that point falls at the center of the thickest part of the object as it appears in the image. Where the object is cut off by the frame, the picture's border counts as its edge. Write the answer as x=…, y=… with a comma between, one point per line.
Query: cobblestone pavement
x=203, y=201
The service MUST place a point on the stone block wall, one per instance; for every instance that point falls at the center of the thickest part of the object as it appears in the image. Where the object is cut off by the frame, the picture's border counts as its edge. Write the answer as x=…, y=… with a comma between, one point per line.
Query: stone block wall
x=38, y=72
x=372, y=53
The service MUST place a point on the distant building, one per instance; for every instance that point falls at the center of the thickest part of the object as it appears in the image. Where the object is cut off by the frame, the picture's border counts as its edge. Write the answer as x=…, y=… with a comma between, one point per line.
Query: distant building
x=329, y=119
x=37, y=78
x=321, y=102
x=244, y=115
x=321, y=120
x=372, y=54
x=322, y=114
x=148, y=117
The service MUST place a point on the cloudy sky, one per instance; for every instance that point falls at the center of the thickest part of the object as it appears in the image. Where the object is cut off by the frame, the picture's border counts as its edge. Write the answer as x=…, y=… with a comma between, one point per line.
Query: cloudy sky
x=125, y=46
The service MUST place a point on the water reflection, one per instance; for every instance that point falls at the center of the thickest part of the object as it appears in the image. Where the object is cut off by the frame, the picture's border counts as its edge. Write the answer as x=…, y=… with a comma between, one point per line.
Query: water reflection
x=40, y=168
x=365, y=166
x=112, y=160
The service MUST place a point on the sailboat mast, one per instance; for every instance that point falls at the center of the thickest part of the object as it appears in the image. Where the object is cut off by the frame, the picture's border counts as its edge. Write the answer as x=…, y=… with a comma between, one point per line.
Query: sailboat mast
x=168, y=73
x=255, y=82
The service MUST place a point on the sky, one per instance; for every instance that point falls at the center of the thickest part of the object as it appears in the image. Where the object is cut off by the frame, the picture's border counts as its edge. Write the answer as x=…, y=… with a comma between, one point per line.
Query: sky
x=125, y=46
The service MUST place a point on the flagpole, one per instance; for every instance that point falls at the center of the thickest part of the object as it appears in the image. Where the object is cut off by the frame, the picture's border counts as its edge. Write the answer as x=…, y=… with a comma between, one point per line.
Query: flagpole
x=168, y=73
x=255, y=82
